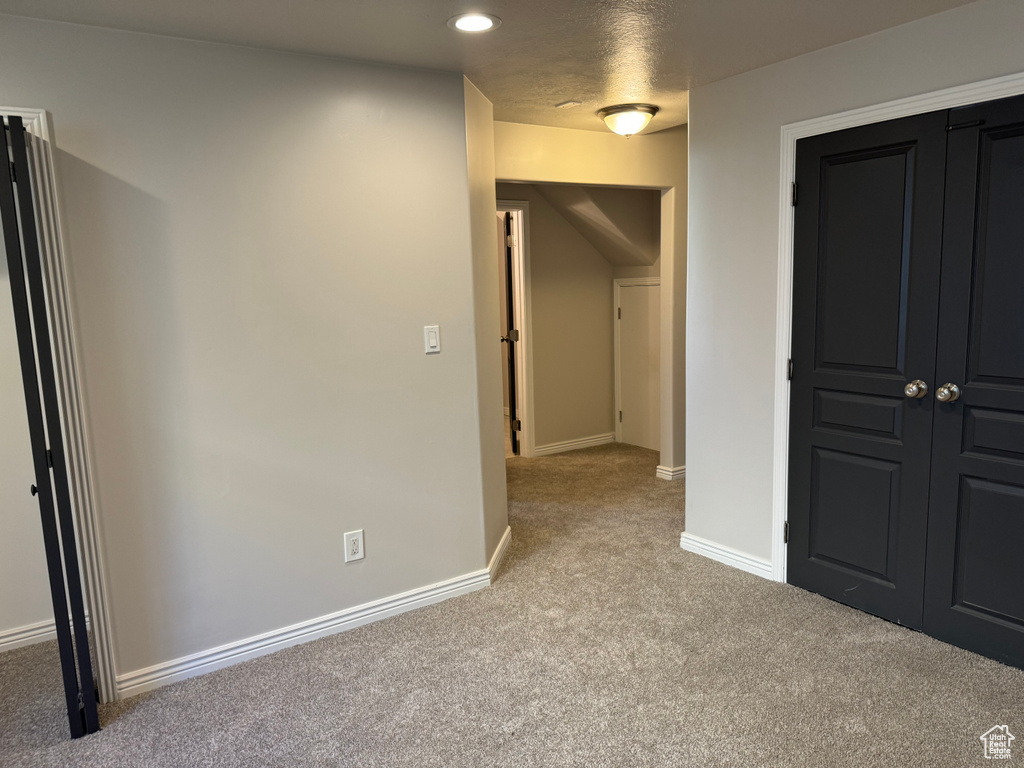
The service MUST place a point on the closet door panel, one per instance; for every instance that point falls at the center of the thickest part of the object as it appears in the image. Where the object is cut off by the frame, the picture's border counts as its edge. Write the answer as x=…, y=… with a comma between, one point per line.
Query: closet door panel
x=866, y=264
x=975, y=571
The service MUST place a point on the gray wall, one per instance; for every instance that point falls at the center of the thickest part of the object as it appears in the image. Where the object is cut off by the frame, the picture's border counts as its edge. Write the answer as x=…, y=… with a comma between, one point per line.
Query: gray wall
x=256, y=241
x=24, y=590
x=733, y=242
x=571, y=294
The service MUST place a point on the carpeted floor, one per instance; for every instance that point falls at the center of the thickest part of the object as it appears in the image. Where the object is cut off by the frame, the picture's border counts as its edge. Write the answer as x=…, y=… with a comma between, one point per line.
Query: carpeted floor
x=602, y=643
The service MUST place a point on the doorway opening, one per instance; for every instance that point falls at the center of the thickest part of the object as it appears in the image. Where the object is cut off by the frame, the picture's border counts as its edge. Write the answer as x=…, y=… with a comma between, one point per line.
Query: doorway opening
x=570, y=256
x=589, y=253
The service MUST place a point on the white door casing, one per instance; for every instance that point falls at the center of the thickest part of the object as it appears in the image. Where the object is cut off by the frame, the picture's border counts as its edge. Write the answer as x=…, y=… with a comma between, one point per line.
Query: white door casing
x=522, y=308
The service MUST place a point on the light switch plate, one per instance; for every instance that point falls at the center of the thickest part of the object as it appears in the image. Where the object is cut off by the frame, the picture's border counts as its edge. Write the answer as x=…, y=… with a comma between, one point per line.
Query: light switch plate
x=432, y=339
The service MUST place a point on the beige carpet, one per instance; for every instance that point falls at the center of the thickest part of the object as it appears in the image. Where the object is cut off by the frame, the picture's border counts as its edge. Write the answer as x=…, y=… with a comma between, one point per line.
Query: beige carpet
x=601, y=644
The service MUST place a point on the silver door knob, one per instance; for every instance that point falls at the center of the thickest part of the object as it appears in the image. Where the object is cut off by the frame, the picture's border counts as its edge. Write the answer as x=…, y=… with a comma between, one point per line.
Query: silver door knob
x=947, y=393
x=916, y=388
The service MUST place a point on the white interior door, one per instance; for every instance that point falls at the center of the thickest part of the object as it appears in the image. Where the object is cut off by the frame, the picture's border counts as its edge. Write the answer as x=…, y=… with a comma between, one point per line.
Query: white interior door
x=638, y=364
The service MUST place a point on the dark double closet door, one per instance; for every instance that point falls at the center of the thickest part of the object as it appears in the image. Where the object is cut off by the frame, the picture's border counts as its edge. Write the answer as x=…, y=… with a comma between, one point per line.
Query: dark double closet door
x=906, y=484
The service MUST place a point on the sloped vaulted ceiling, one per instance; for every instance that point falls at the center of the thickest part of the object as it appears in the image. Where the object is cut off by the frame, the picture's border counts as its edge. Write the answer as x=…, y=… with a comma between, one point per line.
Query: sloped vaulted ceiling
x=624, y=225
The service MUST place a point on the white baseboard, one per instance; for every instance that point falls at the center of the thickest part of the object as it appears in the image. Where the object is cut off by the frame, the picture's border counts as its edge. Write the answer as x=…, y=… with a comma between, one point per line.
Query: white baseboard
x=727, y=555
x=147, y=679
x=30, y=634
x=574, y=445
x=27, y=635
x=499, y=553
x=671, y=473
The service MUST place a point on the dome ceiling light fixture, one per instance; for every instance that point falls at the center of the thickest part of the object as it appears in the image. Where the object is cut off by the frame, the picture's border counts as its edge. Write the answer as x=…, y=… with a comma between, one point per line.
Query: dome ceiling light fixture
x=628, y=119
x=474, y=22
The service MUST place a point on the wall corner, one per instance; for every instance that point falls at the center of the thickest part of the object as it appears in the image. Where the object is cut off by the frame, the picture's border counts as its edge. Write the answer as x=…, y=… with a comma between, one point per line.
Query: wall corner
x=482, y=206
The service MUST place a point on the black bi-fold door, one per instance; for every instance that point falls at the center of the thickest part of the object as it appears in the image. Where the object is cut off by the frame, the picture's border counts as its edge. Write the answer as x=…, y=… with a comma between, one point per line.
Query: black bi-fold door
x=907, y=400
x=51, y=487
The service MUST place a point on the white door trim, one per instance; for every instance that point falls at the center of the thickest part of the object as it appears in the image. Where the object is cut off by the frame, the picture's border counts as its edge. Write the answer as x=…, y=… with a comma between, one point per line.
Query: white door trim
x=523, y=312
x=962, y=95
x=617, y=284
x=61, y=316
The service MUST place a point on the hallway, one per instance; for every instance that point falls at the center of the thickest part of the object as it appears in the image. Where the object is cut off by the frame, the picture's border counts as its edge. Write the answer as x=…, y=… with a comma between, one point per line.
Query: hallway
x=601, y=643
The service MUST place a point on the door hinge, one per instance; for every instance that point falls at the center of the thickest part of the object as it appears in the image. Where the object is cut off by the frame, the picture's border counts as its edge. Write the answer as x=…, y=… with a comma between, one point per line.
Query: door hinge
x=620, y=417
x=14, y=173
x=794, y=193
x=785, y=532
x=517, y=425
x=49, y=459
x=620, y=313
x=789, y=370
x=510, y=241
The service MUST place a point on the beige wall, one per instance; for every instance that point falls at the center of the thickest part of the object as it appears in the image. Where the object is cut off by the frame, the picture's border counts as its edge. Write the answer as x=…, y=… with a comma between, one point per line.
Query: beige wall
x=652, y=271
x=735, y=129
x=24, y=589
x=257, y=240
x=482, y=203
x=658, y=160
x=571, y=326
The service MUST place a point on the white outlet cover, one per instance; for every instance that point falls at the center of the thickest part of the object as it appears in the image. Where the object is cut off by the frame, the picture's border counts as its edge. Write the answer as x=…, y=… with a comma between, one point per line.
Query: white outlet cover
x=354, y=546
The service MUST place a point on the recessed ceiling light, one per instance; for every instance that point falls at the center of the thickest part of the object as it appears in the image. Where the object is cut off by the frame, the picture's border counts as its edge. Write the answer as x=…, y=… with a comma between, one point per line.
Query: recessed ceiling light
x=568, y=104
x=474, y=22
x=628, y=119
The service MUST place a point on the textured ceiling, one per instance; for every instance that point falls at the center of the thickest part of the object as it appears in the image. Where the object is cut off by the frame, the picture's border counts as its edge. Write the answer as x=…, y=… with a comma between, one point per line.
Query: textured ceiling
x=597, y=52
